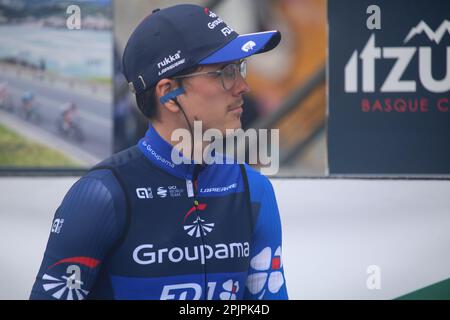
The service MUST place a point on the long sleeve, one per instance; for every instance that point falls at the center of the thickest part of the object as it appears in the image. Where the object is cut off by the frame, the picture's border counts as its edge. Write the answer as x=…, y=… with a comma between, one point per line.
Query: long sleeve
x=266, y=274
x=86, y=225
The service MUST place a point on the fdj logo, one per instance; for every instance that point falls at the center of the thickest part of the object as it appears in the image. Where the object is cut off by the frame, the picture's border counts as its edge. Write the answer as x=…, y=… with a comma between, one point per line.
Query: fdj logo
x=403, y=56
x=226, y=31
x=193, y=291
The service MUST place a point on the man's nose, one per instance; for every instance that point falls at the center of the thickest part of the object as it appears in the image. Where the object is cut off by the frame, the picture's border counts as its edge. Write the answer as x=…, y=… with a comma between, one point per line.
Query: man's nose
x=241, y=86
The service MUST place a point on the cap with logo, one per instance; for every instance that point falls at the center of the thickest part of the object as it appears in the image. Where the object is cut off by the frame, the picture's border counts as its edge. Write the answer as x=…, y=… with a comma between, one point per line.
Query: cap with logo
x=174, y=39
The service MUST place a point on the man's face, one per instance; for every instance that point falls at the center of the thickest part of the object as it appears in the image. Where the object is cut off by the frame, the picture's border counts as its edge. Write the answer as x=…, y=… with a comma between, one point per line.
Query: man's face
x=207, y=100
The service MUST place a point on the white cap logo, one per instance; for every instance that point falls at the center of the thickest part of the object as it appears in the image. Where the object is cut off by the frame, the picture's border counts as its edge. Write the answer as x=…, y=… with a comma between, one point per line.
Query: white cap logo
x=248, y=46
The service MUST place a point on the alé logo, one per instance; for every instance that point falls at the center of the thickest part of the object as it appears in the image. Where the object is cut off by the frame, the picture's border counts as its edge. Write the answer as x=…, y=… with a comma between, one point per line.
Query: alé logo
x=198, y=227
x=57, y=225
x=144, y=193
x=70, y=285
x=403, y=57
x=266, y=269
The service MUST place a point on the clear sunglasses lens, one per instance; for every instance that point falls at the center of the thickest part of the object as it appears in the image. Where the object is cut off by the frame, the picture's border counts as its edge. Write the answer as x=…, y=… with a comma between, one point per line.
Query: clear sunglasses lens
x=230, y=72
x=243, y=69
x=229, y=76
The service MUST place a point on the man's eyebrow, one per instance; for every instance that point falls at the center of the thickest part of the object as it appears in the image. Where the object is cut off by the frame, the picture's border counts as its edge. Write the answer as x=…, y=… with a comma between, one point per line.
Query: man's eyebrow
x=220, y=65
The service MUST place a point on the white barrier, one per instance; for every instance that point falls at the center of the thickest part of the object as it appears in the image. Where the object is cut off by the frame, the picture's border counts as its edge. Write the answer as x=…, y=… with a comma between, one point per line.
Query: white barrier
x=333, y=230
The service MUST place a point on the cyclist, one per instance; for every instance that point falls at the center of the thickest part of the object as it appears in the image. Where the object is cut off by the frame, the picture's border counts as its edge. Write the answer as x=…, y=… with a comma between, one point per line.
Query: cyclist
x=139, y=225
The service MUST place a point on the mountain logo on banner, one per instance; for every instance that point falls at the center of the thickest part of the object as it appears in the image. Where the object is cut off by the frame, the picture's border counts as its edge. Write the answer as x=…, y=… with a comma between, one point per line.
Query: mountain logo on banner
x=435, y=36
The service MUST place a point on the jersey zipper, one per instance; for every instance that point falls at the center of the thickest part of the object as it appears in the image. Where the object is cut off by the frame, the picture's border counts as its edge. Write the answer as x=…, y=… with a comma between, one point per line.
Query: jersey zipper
x=202, y=237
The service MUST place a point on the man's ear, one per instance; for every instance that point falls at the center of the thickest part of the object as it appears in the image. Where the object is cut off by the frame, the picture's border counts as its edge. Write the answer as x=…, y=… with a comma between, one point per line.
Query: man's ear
x=163, y=87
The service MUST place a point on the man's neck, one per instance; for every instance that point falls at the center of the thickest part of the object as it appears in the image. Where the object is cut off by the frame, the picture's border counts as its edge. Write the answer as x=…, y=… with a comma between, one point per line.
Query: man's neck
x=165, y=131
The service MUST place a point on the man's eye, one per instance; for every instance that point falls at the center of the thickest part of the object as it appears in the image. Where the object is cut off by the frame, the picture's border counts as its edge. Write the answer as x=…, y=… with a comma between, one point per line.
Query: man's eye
x=229, y=71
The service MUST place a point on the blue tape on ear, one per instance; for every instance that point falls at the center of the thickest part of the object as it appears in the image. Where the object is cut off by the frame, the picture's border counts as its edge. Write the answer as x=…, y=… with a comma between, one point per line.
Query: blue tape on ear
x=172, y=94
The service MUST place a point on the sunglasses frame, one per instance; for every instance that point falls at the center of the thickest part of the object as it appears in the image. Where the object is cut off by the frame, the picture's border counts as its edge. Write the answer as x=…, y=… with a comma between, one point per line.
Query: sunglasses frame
x=241, y=66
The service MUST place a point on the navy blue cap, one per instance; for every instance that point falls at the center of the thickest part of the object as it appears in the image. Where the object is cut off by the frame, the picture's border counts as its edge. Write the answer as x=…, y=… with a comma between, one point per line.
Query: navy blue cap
x=174, y=39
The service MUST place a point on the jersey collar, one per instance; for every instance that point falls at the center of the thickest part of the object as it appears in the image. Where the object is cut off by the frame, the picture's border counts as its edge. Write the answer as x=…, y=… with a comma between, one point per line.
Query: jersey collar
x=159, y=151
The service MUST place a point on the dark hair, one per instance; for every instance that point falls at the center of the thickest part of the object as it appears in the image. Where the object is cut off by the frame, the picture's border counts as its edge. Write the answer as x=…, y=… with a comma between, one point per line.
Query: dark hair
x=147, y=100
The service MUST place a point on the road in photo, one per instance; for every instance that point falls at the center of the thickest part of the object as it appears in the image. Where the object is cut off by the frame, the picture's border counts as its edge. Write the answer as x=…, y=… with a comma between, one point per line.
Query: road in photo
x=95, y=114
x=45, y=68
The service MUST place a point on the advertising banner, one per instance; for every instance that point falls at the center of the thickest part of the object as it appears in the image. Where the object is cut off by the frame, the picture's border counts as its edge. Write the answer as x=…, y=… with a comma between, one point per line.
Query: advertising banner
x=389, y=87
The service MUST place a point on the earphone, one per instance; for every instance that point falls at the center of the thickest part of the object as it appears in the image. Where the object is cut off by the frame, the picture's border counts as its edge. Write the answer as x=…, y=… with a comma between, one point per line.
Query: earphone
x=171, y=95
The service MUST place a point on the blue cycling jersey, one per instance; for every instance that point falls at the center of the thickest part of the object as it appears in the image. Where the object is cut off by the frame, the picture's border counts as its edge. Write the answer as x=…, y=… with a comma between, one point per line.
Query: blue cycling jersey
x=139, y=226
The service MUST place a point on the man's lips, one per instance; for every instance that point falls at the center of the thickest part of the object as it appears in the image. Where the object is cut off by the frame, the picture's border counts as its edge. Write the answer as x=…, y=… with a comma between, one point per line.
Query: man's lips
x=237, y=107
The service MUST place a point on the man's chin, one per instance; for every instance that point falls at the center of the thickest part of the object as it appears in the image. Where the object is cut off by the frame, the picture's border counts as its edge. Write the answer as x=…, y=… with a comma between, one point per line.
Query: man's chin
x=233, y=127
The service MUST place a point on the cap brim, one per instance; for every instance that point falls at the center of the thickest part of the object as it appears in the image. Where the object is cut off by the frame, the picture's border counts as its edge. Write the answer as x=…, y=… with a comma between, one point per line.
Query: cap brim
x=244, y=46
